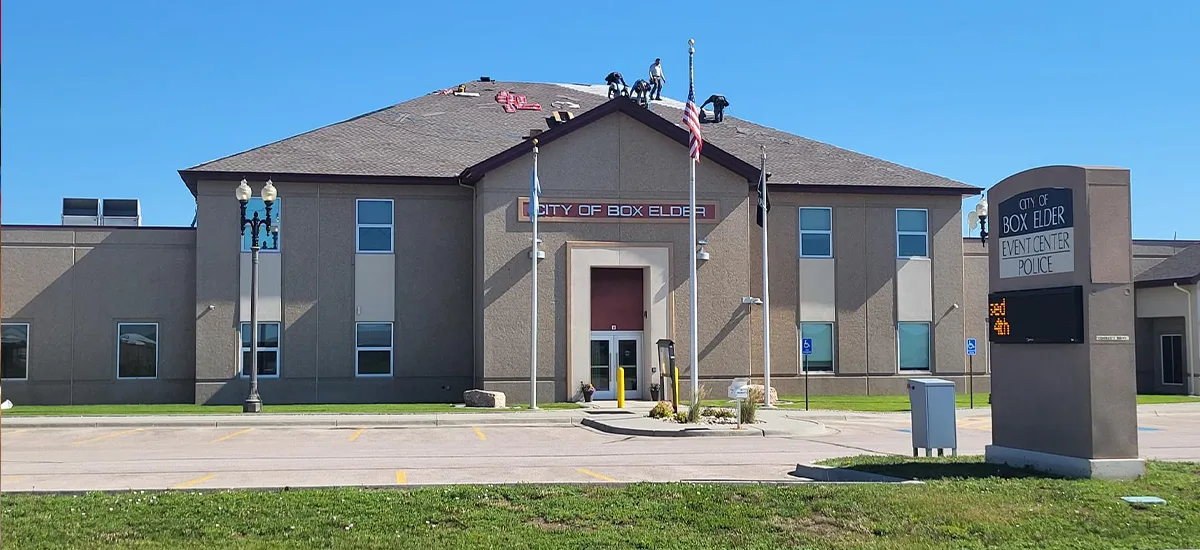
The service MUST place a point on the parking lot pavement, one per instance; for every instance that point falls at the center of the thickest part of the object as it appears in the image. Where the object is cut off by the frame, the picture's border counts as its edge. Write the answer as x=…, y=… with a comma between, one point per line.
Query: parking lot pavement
x=121, y=458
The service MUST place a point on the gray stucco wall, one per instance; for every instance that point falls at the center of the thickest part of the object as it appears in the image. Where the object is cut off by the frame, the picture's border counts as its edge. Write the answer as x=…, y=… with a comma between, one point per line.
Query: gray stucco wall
x=73, y=285
x=433, y=357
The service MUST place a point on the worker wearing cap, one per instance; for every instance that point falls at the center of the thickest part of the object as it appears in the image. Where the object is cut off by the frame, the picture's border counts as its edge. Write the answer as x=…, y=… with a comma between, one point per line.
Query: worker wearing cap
x=613, y=79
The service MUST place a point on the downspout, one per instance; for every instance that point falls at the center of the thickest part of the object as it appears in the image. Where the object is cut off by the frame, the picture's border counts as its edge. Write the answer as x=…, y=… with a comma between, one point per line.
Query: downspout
x=1191, y=341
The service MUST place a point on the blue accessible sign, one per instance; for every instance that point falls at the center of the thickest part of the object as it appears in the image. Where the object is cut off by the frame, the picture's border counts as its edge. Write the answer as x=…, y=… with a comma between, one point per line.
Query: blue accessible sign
x=806, y=346
x=970, y=346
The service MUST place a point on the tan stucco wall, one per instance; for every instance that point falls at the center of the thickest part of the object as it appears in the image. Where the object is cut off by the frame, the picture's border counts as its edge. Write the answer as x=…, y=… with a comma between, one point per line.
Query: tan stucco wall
x=616, y=157
x=73, y=285
x=433, y=356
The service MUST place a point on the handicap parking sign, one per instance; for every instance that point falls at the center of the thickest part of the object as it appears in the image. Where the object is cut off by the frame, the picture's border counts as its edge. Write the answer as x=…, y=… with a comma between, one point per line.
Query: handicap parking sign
x=970, y=346
x=806, y=346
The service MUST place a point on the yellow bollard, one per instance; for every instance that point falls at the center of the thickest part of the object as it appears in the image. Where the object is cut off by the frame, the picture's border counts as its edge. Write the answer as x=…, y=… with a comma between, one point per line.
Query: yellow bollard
x=620, y=387
x=675, y=394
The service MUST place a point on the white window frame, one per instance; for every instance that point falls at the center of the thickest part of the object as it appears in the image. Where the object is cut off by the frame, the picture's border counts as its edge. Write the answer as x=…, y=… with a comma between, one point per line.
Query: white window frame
x=832, y=346
x=1162, y=368
x=358, y=226
x=928, y=346
x=391, y=349
x=924, y=233
x=829, y=233
x=265, y=230
x=28, y=347
x=157, y=345
x=243, y=350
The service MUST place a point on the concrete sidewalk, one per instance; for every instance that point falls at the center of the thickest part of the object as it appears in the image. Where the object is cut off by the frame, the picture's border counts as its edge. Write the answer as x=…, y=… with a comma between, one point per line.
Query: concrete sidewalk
x=771, y=423
x=599, y=415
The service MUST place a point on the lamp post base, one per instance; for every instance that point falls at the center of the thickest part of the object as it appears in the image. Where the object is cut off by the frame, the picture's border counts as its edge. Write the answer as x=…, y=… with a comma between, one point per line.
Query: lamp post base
x=252, y=405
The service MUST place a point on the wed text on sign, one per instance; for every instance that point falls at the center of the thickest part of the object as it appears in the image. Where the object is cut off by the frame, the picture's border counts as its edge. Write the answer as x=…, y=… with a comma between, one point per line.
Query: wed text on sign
x=609, y=210
x=1037, y=233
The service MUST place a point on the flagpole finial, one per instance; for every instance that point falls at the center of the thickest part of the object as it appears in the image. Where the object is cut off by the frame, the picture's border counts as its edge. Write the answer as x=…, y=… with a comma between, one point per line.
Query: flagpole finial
x=691, y=41
x=535, y=142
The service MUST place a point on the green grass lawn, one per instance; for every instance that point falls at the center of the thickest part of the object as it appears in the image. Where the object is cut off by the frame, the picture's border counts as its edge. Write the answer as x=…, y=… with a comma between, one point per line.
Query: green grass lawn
x=984, y=507
x=381, y=408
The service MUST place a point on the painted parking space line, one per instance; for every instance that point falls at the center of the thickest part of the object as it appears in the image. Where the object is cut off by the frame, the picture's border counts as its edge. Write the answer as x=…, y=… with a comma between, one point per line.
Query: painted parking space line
x=15, y=432
x=356, y=433
x=401, y=477
x=108, y=436
x=232, y=435
x=196, y=481
x=479, y=433
x=590, y=473
x=11, y=478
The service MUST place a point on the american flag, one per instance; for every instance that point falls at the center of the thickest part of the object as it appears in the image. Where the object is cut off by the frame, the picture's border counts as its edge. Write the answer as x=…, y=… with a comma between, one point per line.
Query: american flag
x=692, y=119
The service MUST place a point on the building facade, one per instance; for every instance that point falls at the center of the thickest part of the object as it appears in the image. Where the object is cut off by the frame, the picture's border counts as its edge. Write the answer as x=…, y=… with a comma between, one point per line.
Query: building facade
x=398, y=266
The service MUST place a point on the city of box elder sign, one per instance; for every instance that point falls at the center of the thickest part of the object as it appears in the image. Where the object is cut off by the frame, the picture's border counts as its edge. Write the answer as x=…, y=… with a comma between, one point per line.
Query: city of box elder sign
x=1037, y=233
x=610, y=210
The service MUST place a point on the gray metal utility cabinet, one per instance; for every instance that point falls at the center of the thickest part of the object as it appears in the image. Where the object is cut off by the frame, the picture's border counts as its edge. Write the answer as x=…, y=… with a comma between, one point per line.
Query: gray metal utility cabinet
x=933, y=422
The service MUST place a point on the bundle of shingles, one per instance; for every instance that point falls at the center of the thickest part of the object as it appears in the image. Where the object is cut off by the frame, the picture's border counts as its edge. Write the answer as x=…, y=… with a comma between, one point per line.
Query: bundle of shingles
x=515, y=102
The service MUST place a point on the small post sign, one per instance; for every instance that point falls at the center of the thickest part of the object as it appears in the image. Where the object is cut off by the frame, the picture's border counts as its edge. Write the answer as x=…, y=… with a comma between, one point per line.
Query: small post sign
x=806, y=349
x=971, y=370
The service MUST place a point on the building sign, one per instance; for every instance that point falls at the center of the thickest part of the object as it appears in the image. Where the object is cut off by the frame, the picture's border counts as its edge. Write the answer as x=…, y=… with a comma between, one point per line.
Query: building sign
x=1038, y=316
x=1037, y=233
x=614, y=210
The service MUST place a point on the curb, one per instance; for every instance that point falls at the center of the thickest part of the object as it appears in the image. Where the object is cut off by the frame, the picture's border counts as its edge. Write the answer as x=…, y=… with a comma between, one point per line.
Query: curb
x=227, y=422
x=831, y=474
x=681, y=432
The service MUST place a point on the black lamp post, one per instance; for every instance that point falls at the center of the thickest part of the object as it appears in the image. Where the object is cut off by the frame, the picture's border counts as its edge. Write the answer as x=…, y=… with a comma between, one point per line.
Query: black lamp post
x=981, y=209
x=253, y=403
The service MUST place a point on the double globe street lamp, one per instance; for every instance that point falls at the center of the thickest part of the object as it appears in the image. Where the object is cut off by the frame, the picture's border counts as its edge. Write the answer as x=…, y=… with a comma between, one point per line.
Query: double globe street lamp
x=253, y=403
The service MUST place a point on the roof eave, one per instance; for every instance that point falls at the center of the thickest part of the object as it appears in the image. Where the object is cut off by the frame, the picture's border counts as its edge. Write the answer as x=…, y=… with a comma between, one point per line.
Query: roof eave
x=1152, y=283
x=192, y=177
x=964, y=191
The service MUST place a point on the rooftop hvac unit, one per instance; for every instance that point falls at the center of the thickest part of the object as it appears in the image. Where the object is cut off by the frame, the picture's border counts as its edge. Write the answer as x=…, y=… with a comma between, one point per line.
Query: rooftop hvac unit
x=81, y=212
x=121, y=212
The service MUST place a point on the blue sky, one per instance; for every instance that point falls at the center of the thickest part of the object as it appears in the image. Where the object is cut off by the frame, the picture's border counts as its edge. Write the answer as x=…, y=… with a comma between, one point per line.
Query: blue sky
x=110, y=99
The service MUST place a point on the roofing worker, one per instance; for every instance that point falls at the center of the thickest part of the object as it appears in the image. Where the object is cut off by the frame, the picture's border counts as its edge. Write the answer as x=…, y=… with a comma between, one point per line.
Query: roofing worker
x=719, y=104
x=641, y=91
x=613, y=90
x=656, y=79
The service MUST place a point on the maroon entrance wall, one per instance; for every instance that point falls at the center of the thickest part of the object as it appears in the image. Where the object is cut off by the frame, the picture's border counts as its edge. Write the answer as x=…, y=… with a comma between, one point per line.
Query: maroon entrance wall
x=618, y=298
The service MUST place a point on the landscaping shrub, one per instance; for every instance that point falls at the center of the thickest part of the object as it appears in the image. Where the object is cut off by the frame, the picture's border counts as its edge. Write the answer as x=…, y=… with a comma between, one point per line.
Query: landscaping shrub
x=750, y=405
x=662, y=410
x=716, y=412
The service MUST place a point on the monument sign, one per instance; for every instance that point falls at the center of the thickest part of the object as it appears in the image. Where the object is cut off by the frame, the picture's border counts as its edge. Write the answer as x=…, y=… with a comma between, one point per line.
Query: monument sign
x=1064, y=397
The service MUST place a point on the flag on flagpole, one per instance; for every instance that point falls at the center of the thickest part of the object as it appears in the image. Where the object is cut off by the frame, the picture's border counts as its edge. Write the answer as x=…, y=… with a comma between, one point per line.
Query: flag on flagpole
x=692, y=119
x=535, y=188
x=764, y=202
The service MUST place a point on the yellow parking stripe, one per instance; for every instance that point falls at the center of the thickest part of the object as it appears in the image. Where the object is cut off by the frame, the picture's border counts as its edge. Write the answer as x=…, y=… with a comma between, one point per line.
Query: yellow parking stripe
x=232, y=435
x=401, y=477
x=357, y=433
x=11, y=478
x=479, y=433
x=108, y=436
x=196, y=481
x=587, y=472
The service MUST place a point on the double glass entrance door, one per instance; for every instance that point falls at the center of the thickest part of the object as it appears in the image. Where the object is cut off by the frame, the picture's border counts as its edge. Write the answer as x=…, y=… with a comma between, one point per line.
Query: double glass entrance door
x=609, y=351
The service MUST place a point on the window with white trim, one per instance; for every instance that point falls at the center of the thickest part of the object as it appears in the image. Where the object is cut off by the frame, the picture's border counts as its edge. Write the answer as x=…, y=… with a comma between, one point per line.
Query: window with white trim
x=912, y=339
x=912, y=233
x=268, y=349
x=375, y=231
x=268, y=235
x=137, y=350
x=14, y=351
x=373, y=349
x=816, y=232
x=821, y=358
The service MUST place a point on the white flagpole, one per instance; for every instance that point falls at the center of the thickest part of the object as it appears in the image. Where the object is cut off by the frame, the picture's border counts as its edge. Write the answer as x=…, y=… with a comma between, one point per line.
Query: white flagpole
x=695, y=340
x=533, y=300
x=766, y=285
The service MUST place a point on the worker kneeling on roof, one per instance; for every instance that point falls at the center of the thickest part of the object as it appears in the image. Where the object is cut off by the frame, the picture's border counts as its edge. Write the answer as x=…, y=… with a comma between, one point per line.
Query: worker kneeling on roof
x=719, y=104
x=614, y=90
x=641, y=91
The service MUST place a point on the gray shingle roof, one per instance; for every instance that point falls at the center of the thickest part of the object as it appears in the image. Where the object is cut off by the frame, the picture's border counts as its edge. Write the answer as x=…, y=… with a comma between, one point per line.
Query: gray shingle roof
x=440, y=135
x=1182, y=268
